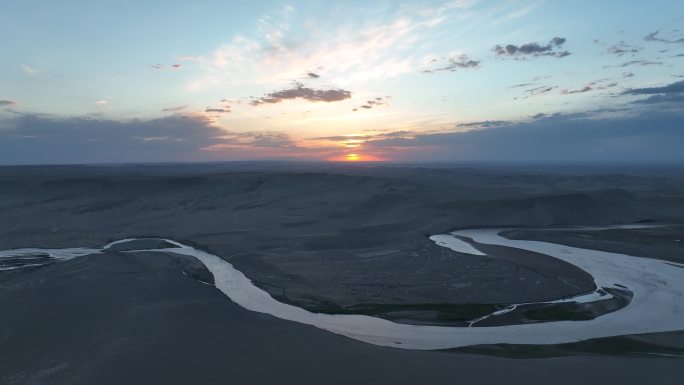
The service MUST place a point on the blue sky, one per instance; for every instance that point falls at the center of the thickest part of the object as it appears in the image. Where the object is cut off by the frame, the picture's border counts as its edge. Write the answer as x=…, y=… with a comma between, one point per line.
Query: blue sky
x=224, y=80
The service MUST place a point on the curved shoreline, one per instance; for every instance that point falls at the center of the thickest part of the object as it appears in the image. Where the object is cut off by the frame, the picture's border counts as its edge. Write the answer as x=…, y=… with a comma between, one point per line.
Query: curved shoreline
x=658, y=289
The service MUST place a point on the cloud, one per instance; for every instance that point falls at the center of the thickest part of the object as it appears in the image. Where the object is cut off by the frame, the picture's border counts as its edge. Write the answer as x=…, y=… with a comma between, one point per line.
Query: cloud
x=175, y=109
x=101, y=101
x=584, y=89
x=355, y=141
x=521, y=85
x=7, y=103
x=382, y=135
x=640, y=63
x=552, y=48
x=44, y=139
x=299, y=91
x=666, y=99
x=623, y=48
x=379, y=101
x=670, y=95
x=31, y=138
x=269, y=139
x=485, y=124
x=673, y=88
x=395, y=134
x=236, y=101
x=163, y=67
x=342, y=138
x=536, y=91
x=29, y=70
x=366, y=46
x=253, y=139
x=312, y=75
x=675, y=37
x=595, y=85
x=190, y=58
x=627, y=75
x=540, y=90
x=455, y=63
x=650, y=136
x=219, y=110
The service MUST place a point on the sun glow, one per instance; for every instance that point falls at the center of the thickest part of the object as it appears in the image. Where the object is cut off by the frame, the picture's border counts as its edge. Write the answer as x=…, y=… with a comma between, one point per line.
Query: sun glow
x=356, y=157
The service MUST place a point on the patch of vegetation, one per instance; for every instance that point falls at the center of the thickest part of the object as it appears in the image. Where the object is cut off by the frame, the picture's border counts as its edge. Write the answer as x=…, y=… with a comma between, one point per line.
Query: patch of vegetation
x=558, y=312
x=444, y=311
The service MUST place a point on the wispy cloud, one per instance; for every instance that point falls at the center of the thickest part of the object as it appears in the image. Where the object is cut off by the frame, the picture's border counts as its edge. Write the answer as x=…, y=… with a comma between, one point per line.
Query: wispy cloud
x=592, y=86
x=252, y=139
x=634, y=63
x=622, y=49
x=358, y=141
x=675, y=37
x=174, y=109
x=584, y=89
x=536, y=91
x=29, y=70
x=7, y=103
x=641, y=63
x=353, y=52
x=190, y=58
x=519, y=85
x=162, y=67
x=455, y=63
x=371, y=103
x=485, y=124
x=217, y=110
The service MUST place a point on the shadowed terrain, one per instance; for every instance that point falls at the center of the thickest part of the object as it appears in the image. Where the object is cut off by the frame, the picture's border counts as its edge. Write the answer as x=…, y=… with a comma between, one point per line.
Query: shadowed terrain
x=313, y=235
x=328, y=238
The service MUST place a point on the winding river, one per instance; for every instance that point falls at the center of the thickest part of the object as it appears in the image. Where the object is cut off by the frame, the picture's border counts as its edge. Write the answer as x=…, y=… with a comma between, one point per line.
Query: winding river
x=657, y=304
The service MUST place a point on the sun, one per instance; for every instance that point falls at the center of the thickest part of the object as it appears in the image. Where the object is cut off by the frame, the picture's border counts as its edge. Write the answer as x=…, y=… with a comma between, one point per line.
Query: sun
x=356, y=157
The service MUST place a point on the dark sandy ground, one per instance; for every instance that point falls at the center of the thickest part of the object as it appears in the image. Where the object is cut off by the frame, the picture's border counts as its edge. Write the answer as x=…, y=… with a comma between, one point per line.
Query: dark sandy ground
x=318, y=236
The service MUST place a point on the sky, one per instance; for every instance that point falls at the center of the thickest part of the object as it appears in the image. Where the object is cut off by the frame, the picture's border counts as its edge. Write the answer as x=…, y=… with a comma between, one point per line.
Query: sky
x=466, y=80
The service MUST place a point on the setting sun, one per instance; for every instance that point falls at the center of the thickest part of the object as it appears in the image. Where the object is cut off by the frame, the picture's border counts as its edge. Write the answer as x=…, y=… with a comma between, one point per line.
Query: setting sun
x=356, y=157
